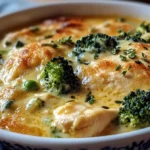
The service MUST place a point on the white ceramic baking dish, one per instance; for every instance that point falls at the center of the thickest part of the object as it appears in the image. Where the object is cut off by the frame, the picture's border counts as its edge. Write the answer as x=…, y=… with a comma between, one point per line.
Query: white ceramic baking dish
x=136, y=140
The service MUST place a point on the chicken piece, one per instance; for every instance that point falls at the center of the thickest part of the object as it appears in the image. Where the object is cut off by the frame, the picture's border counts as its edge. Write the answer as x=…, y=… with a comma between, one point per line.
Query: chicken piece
x=101, y=74
x=34, y=54
x=56, y=27
x=111, y=27
x=10, y=93
x=82, y=120
x=25, y=58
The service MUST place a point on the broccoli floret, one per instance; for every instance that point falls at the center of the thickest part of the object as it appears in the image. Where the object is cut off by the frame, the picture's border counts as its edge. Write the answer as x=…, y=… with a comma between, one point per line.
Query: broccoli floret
x=93, y=45
x=137, y=35
x=143, y=28
x=135, y=110
x=58, y=76
x=130, y=36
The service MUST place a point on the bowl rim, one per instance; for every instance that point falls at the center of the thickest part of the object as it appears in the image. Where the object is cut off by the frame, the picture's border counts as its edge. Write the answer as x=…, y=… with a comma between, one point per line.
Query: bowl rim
x=88, y=140
x=29, y=138
x=41, y=4
x=66, y=2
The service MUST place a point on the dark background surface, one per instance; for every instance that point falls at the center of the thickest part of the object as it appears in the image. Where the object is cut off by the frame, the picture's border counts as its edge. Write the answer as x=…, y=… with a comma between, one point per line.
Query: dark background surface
x=146, y=1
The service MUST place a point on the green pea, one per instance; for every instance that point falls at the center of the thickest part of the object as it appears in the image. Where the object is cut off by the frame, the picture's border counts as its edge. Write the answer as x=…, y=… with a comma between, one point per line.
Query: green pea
x=30, y=85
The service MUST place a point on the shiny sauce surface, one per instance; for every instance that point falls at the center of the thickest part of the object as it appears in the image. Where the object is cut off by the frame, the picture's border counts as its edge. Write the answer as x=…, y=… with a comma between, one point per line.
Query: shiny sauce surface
x=23, y=58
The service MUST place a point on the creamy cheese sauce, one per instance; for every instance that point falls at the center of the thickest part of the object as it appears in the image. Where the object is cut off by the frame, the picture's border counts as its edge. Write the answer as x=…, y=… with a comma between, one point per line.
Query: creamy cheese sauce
x=99, y=77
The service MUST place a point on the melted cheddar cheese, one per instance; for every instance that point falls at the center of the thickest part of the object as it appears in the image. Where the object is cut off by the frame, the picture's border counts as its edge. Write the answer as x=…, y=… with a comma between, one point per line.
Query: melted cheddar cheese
x=68, y=115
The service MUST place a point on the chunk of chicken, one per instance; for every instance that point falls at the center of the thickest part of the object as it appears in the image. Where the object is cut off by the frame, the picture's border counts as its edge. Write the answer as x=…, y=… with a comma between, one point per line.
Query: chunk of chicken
x=111, y=27
x=25, y=58
x=82, y=120
x=101, y=75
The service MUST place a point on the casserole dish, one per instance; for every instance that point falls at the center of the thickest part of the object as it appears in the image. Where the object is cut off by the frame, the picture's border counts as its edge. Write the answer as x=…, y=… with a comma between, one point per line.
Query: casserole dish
x=139, y=139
